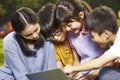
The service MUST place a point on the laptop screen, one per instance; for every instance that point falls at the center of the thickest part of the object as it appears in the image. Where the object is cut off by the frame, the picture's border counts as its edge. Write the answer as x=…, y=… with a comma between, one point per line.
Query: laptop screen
x=55, y=74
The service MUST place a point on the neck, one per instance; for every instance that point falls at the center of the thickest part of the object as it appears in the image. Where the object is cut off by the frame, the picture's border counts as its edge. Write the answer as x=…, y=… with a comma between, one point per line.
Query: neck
x=30, y=43
x=65, y=43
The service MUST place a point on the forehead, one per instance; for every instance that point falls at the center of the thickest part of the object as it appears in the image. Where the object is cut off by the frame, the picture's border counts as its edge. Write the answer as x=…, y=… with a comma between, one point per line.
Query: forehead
x=69, y=19
x=59, y=29
x=30, y=28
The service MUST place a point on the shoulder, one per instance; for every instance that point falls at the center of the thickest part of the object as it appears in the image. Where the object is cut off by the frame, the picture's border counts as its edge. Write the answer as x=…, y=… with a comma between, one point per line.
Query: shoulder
x=9, y=38
x=48, y=44
x=58, y=47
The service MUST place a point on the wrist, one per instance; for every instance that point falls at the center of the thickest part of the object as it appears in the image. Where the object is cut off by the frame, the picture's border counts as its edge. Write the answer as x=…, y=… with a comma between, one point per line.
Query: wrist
x=74, y=68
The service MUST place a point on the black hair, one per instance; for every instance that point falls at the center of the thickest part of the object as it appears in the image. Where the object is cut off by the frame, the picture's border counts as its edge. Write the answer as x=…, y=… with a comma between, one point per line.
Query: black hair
x=102, y=18
x=19, y=24
x=71, y=8
x=48, y=22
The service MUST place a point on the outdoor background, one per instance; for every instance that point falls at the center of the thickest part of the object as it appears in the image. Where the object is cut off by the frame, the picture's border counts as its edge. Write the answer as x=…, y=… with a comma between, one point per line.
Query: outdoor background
x=8, y=7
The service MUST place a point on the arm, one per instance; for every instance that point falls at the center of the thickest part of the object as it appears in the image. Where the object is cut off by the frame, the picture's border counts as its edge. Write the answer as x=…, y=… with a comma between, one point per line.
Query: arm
x=13, y=59
x=94, y=73
x=52, y=56
x=91, y=64
x=7, y=75
x=60, y=65
x=117, y=63
x=58, y=60
x=76, y=57
x=90, y=76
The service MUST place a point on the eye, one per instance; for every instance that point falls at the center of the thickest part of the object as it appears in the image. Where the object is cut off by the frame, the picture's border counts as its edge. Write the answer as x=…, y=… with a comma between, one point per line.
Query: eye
x=68, y=25
x=36, y=30
x=51, y=37
x=92, y=36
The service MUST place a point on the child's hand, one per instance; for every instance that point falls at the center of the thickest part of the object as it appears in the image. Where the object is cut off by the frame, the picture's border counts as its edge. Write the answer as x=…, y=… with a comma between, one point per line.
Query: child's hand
x=117, y=63
x=88, y=77
x=68, y=69
x=70, y=76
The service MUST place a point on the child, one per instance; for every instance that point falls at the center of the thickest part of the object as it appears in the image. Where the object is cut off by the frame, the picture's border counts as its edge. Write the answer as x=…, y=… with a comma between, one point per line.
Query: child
x=102, y=24
x=73, y=14
x=64, y=53
x=25, y=50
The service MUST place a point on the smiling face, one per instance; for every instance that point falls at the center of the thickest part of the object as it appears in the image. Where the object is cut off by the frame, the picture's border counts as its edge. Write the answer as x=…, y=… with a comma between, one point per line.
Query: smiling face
x=31, y=31
x=74, y=26
x=102, y=40
x=59, y=35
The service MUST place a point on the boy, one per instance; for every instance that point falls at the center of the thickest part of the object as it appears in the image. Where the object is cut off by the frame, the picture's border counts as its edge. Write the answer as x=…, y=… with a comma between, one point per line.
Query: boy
x=102, y=24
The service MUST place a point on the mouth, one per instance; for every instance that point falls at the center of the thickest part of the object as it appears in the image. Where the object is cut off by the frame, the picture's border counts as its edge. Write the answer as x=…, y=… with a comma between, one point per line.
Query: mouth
x=60, y=40
x=36, y=38
x=103, y=45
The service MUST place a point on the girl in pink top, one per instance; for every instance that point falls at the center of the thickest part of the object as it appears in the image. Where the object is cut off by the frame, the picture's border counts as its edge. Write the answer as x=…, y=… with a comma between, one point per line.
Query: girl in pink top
x=73, y=14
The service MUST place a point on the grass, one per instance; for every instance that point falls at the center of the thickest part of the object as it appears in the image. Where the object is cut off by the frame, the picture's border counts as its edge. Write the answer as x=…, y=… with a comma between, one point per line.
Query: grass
x=1, y=53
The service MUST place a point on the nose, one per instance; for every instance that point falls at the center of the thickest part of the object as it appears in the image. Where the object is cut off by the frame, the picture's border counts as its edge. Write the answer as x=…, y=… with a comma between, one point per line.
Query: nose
x=56, y=38
x=34, y=36
x=68, y=28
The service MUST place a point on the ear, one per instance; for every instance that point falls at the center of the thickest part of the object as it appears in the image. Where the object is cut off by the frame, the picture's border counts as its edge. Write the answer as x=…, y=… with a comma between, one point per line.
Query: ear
x=106, y=34
x=81, y=14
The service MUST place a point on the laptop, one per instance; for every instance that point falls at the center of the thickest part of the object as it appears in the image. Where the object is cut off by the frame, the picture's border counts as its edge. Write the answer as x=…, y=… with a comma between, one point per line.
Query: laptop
x=55, y=74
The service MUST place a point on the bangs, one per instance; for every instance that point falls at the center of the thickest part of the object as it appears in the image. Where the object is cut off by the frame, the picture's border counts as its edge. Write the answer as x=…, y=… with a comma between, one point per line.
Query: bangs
x=69, y=19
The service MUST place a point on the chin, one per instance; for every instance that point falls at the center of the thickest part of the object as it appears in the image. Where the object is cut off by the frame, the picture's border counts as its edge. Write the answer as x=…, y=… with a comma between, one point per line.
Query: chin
x=103, y=46
x=77, y=32
x=60, y=41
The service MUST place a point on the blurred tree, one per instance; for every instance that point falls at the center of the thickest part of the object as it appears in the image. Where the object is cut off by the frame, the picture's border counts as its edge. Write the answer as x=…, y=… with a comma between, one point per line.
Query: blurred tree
x=47, y=1
x=7, y=7
x=114, y=4
x=2, y=10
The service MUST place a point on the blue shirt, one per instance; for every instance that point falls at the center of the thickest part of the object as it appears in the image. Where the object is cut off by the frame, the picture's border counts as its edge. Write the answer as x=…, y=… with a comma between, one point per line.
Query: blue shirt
x=17, y=64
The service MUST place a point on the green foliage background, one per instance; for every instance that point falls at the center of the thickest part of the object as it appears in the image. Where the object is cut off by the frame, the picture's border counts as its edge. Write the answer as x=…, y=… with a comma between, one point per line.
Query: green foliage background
x=1, y=52
x=7, y=7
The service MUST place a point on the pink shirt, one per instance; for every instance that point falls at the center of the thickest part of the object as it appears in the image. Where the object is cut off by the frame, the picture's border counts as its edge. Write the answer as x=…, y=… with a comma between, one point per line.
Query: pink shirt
x=85, y=47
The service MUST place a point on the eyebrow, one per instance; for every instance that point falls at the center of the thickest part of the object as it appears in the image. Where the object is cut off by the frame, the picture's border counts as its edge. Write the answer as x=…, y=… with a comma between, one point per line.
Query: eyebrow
x=31, y=33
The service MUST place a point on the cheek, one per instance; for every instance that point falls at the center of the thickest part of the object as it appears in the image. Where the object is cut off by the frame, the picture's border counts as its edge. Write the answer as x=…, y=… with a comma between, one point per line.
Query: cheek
x=54, y=40
x=28, y=38
x=38, y=31
x=61, y=36
x=96, y=40
x=78, y=25
x=101, y=41
x=74, y=26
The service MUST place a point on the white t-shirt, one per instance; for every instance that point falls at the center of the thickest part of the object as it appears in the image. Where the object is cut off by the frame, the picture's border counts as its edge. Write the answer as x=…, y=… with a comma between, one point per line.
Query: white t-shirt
x=115, y=48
